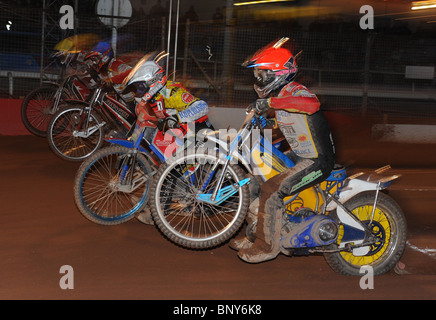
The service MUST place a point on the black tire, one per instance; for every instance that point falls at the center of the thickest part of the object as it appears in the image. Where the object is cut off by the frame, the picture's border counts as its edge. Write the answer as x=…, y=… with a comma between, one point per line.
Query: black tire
x=36, y=109
x=187, y=221
x=98, y=192
x=62, y=134
x=389, y=224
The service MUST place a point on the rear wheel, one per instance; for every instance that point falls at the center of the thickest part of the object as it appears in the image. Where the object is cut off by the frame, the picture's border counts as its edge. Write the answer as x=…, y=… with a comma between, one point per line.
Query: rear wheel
x=388, y=225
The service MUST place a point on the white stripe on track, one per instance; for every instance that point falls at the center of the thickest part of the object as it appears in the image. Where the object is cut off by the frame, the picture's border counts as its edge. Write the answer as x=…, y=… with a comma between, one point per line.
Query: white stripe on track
x=427, y=251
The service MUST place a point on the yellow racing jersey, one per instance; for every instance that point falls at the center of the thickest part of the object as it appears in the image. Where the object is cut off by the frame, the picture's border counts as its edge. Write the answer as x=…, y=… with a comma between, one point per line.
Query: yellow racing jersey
x=175, y=96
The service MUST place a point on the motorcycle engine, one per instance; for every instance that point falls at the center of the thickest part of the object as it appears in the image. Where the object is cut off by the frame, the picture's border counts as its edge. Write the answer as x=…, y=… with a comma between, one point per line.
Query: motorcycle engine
x=305, y=229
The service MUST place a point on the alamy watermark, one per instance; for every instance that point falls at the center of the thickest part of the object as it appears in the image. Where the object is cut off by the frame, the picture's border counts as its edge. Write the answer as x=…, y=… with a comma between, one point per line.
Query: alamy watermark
x=254, y=148
x=367, y=20
x=67, y=280
x=67, y=20
x=367, y=280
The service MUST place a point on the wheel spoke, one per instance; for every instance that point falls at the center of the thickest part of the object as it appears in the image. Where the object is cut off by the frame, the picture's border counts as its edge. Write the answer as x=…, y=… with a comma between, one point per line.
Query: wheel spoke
x=191, y=221
x=63, y=138
x=98, y=194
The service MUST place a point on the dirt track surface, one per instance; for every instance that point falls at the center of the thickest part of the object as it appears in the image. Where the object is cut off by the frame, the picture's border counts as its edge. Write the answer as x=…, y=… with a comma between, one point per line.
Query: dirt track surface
x=41, y=230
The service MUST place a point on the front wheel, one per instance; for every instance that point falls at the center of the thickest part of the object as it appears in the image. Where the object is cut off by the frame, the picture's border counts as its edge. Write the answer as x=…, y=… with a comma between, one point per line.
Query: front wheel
x=388, y=225
x=72, y=135
x=112, y=185
x=182, y=216
x=37, y=109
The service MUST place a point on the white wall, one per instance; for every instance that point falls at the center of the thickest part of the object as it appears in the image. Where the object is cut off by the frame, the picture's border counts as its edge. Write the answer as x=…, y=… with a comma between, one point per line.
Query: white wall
x=406, y=133
x=221, y=118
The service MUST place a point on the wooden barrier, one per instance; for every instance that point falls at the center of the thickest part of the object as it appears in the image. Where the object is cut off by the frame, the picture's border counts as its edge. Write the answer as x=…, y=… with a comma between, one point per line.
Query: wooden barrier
x=10, y=118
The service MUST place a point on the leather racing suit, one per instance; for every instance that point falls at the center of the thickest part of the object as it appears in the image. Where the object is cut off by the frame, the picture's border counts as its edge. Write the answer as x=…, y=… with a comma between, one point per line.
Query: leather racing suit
x=173, y=100
x=307, y=132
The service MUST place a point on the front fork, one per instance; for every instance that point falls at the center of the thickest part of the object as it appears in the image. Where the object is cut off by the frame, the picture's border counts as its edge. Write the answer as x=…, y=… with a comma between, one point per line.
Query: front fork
x=128, y=182
x=57, y=98
x=220, y=194
x=85, y=116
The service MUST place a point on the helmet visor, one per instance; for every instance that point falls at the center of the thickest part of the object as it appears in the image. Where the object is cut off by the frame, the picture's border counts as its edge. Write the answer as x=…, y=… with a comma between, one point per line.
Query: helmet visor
x=263, y=77
x=140, y=89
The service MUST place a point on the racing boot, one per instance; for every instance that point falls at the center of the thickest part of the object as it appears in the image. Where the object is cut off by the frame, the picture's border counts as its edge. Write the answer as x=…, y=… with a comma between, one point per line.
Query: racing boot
x=267, y=243
x=245, y=242
x=145, y=216
x=240, y=243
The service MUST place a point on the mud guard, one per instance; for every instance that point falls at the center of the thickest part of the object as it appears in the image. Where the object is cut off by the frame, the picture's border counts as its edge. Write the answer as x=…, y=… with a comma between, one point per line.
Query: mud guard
x=126, y=143
x=353, y=233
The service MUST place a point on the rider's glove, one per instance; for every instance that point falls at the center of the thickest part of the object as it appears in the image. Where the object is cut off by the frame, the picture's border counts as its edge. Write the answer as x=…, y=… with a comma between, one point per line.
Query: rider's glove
x=260, y=106
x=172, y=122
x=271, y=123
x=169, y=123
x=135, y=134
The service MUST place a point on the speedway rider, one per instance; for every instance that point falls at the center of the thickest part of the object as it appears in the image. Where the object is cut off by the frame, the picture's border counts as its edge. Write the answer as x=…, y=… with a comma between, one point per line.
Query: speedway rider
x=305, y=129
x=171, y=104
x=168, y=100
x=109, y=70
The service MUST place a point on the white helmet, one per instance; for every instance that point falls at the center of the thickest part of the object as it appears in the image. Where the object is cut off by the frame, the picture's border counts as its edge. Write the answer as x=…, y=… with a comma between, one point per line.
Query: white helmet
x=147, y=77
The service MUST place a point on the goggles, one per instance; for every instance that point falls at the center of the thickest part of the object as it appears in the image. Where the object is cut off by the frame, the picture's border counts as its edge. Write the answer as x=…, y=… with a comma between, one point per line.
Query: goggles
x=140, y=89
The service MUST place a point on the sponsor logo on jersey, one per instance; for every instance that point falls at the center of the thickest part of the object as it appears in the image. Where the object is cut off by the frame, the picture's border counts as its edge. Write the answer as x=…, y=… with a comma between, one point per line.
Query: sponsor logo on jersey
x=302, y=138
x=187, y=98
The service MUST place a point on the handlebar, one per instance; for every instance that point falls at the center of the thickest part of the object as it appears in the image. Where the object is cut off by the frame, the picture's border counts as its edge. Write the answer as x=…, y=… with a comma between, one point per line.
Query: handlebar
x=163, y=124
x=256, y=118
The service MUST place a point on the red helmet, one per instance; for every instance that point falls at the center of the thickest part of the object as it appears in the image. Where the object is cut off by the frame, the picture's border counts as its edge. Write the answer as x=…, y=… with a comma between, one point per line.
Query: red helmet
x=274, y=66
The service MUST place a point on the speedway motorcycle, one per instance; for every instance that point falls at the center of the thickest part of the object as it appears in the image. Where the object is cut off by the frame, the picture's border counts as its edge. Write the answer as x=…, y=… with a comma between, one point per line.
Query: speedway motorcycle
x=42, y=103
x=200, y=200
x=78, y=128
x=113, y=184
